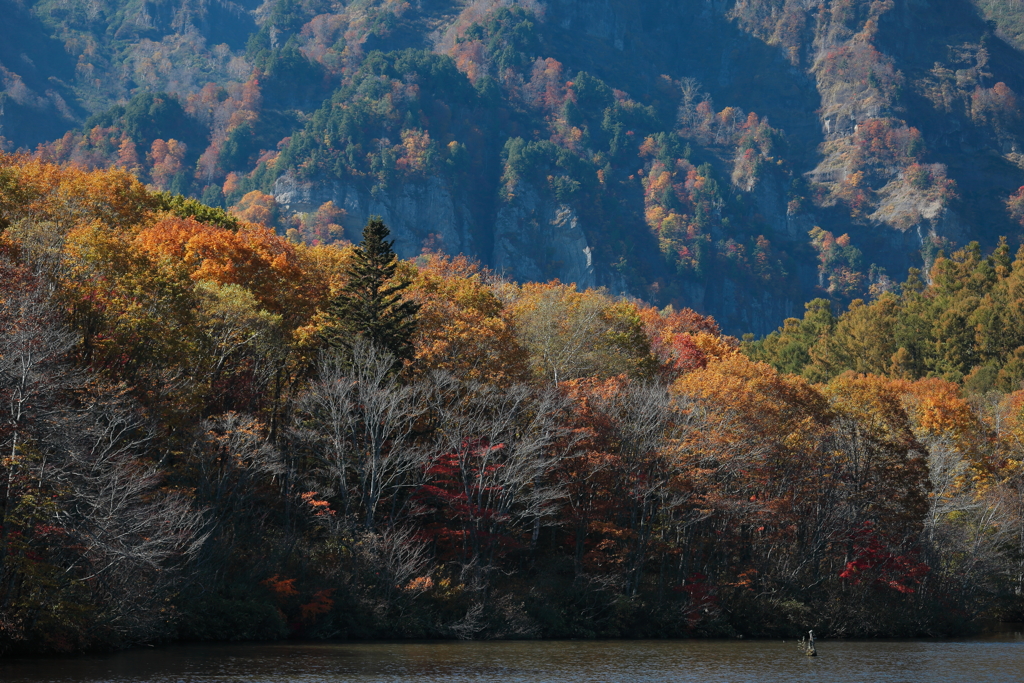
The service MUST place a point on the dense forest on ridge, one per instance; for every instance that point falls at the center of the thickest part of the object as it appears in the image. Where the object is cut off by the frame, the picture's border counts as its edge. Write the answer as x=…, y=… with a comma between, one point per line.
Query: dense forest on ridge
x=738, y=158
x=188, y=455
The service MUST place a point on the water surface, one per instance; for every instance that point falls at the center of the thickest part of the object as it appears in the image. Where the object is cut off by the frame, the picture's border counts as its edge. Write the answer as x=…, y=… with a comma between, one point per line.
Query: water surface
x=998, y=659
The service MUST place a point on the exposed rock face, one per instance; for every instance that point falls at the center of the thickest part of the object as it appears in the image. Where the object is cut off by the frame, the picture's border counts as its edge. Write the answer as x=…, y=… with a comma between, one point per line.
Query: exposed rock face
x=903, y=207
x=676, y=37
x=534, y=238
x=769, y=196
x=819, y=106
x=920, y=238
x=597, y=19
x=538, y=240
x=738, y=307
x=418, y=214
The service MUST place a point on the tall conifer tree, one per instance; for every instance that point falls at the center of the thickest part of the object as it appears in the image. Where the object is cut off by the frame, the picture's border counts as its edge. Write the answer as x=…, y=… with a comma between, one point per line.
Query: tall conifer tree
x=370, y=304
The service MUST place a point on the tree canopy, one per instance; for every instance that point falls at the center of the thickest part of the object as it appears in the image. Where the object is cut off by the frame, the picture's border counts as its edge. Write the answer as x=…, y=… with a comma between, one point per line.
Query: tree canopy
x=186, y=454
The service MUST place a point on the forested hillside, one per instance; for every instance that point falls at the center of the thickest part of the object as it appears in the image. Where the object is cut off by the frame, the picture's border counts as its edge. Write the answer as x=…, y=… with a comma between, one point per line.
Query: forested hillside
x=738, y=158
x=213, y=432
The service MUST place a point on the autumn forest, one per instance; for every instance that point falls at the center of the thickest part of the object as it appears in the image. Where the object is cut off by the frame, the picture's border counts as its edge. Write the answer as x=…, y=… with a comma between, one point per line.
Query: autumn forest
x=509, y=319
x=212, y=431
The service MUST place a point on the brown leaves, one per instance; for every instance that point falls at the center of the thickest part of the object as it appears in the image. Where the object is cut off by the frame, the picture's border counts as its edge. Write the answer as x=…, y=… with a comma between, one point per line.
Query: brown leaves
x=253, y=257
x=72, y=196
x=256, y=207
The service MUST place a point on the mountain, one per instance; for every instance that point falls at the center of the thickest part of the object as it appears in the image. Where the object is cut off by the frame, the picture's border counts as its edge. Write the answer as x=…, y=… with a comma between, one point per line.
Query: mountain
x=739, y=158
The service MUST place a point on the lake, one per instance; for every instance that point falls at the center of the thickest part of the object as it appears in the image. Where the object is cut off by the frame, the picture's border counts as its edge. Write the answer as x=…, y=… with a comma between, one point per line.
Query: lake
x=996, y=658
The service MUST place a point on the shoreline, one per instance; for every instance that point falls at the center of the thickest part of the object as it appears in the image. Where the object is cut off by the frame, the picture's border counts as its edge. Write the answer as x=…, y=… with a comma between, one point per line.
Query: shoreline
x=994, y=631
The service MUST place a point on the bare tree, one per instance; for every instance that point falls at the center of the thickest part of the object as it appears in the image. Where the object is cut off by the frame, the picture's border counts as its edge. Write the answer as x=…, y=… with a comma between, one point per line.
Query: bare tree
x=946, y=468
x=361, y=424
x=1010, y=495
x=128, y=531
x=33, y=375
x=494, y=449
x=976, y=533
x=563, y=330
x=395, y=557
x=652, y=429
x=32, y=367
x=84, y=517
x=691, y=92
x=231, y=451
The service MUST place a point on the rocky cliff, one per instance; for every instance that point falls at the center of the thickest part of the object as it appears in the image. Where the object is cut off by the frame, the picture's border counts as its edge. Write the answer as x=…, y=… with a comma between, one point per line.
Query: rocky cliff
x=536, y=239
x=419, y=215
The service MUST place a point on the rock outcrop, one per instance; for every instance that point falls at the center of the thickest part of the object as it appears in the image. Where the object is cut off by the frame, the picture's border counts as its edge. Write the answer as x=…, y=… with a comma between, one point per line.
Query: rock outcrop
x=537, y=239
x=419, y=214
x=534, y=238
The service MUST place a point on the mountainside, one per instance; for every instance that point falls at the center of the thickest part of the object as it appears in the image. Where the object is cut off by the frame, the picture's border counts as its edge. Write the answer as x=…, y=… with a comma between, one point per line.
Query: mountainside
x=739, y=158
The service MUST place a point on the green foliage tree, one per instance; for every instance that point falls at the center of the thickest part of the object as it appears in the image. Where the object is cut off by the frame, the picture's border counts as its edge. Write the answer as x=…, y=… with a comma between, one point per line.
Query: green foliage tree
x=963, y=326
x=184, y=207
x=788, y=349
x=150, y=116
x=370, y=305
x=510, y=37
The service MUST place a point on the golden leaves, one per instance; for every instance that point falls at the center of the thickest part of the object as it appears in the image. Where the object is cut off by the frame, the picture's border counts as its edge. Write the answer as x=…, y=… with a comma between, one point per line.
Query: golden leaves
x=254, y=257
x=463, y=327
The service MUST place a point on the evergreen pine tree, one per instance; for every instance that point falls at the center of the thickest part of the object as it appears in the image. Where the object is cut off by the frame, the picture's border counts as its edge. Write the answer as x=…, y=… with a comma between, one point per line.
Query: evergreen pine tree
x=370, y=304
